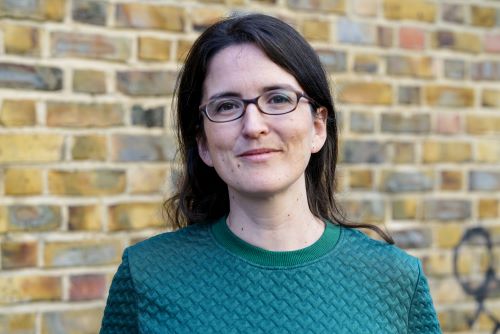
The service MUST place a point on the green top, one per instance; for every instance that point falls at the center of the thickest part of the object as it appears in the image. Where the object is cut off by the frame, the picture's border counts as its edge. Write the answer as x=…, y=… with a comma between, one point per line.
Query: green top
x=204, y=279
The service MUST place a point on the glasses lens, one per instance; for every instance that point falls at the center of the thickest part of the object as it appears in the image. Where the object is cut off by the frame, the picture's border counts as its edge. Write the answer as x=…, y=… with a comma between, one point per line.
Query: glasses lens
x=224, y=109
x=278, y=101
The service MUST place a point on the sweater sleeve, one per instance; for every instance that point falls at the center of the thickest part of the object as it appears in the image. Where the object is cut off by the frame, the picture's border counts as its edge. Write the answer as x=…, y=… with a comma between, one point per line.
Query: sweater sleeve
x=120, y=314
x=422, y=316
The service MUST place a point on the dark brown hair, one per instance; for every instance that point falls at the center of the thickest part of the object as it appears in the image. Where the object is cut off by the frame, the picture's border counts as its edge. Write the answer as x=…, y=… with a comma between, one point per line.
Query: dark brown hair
x=201, y=194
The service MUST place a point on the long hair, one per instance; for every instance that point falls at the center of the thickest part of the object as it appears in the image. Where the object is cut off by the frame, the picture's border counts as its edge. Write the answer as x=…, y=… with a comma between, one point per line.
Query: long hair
x=201, y=194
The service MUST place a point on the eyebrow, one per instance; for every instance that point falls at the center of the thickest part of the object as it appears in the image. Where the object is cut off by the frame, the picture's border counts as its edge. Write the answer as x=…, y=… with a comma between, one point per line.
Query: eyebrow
x=263, y=89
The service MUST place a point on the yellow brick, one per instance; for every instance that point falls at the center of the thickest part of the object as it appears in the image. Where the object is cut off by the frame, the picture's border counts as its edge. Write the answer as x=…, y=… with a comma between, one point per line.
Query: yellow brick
x=72, y=321
x=482, y=124
x=21, y=39
x=365, y=93
x=483, y=16
x=491, y=98
x=434, y=152
x=441, y=263
x=451, y=180
x=448, y=235
x=31, y=148
x=151, y=16
x=17, y=323
x=183, y=47
x=151, y=48
x=459, y=41
x=89, y=148
x=29, y=288
x=80, y=115
x=143, y=180
x=448, y=96
x=202, y=17
x=54, y=9
x=418, y=10
x=316, y=30
x=404, y=209
x=488, y=208
x=82, y=253
x=18, y=113
x=361, y=179
x=488, y=150
x=87, y=183
x=133, y=216
x=19, y=254
x=4, y=223
x=85, y=217
x=23, y=181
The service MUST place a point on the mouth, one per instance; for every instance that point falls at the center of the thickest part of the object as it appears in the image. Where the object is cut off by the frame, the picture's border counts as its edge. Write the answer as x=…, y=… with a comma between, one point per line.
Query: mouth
x=257, y=152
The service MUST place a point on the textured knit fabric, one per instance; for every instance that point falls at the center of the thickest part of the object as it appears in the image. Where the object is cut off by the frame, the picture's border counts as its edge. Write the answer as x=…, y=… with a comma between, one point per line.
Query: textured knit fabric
x=204, y=279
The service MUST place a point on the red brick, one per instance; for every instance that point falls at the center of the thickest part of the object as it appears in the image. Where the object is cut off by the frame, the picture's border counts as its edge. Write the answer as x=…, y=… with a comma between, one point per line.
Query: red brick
x=492, y=43
x=87, y=287
x=411, y=38
x=448, y=123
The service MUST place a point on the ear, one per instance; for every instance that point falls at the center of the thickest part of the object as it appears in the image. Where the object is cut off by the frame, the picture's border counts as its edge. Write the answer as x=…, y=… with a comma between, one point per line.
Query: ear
x=319, y=129
x=203, y=151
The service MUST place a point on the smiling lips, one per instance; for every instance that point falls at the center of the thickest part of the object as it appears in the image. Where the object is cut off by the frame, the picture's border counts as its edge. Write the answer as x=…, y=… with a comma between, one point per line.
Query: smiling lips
x=257, y=152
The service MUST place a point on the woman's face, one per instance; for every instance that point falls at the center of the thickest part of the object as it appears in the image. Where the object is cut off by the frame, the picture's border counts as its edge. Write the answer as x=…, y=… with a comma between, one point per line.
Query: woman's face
x=258, y=154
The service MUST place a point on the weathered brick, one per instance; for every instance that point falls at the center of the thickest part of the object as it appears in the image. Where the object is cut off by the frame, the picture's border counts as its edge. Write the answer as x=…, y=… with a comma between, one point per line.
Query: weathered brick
x=23, y=181
x=183, y=47
x=18, y=323
x=149, y=16
x=143, y=180
x=407, y=181
x=352, y=32
x=89, y=81
x=409, y=95
x=332, y=6
x=454, y=69
x=483, y=16
x=384, y=36
x=21, y=40
x=16, y=289
x=449, y=96
x=404, y=209
x=202, y=17
x=455, y=151
x=33, y=217
x=18, y=113
x=366, y=63
x=356, y=151
x=363, y=122
x=485, y=70
x=134, y=216
x=448, y=123
x=92, y=46
x=451, y=180
x=412, y=38
x=440, y=264
x=488, y=208
x=419, y=67
x=84, y=218
x=16, y=76
x=405, y=123
x=91, y=147
x=412, y=238
x=492, y=42
x=85, y=321
x=142, y=148
x=456, y=40
x=82, y=115
x=30, y=148
x=87, y=286
x=52, y=10
x=366, y=211
x=365, y=92
x=19, y=254
x=87, y=183
x=4, y=219
x=402, y=152
x=82, y=253
x=417, y=10
x=448, y=235
x=484, y=180
x=333, y=61
x=490, y=98
x=316, y=30
x=488, y=150
x=149, y=117
x=90, y=11
x=146, y=83
x=361, y=179
x=155, y=49
x=480, y=125
x=452, y=12
x=455, y=320
x=447, y=210
x=367, y=8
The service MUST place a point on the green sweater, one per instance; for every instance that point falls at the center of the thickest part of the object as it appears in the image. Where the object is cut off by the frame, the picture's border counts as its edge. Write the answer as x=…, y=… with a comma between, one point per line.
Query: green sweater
x=204, y=279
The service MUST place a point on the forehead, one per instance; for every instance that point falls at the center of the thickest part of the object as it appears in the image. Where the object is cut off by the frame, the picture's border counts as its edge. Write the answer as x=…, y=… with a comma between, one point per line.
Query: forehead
x=244, y=69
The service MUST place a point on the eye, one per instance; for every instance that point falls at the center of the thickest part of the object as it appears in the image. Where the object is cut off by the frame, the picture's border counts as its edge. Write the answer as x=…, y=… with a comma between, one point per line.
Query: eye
x=279, y=97
x=226, y=106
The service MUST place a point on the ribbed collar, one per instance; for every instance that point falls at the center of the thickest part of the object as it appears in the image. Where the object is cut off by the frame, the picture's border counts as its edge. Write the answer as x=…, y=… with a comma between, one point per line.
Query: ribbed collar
x=227, y=239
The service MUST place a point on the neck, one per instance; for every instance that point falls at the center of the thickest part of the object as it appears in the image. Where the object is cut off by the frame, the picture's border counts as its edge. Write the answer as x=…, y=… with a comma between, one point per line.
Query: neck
x=278, y=222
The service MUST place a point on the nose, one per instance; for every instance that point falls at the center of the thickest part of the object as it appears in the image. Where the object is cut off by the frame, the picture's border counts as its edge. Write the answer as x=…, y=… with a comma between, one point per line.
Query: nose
x=254, y=122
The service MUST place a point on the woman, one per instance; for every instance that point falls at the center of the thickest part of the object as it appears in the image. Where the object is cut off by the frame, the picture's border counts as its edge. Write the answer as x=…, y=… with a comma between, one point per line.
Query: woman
x=264, y=249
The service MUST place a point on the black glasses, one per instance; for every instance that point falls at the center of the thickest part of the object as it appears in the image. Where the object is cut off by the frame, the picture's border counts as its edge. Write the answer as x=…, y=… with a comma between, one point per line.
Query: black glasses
x=273, y=102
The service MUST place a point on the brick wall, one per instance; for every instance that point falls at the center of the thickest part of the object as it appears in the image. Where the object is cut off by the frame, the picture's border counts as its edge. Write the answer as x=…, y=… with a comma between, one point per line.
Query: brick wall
x=87, y=147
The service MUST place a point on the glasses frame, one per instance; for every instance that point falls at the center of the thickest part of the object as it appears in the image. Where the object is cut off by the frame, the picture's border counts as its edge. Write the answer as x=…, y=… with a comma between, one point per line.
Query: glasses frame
x=246, y=102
